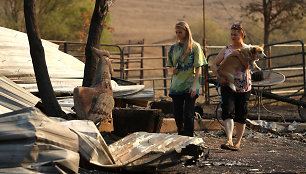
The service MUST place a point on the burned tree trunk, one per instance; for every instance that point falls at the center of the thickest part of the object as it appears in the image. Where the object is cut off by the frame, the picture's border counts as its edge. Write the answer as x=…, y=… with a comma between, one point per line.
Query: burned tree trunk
x=52, y=108
x=96, y=102
x=94, y=36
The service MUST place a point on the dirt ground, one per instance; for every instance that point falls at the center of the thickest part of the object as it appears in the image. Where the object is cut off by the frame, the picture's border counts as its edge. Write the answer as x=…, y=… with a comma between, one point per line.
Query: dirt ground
x=260, y=153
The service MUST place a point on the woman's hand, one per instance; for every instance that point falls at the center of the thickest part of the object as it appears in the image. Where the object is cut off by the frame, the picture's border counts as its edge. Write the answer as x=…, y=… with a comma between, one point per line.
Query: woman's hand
x=222, y=80
x=174, y=71
x=193, y=91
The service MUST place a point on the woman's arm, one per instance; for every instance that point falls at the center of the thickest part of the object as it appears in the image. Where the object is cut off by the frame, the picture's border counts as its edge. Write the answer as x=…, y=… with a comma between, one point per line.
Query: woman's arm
x=217, y=61
x=193, y=89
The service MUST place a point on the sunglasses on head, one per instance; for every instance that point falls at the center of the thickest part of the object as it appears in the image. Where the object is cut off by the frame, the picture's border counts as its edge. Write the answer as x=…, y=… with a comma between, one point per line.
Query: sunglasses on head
x=236, y=27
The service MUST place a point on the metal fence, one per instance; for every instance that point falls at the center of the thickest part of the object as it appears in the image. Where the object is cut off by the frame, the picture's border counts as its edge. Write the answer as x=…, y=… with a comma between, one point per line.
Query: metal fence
x=145, y=64
x=286, y=57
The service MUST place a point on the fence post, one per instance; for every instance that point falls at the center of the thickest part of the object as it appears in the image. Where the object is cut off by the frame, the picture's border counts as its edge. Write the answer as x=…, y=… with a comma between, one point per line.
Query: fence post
x=127, y=61
x=141, y=63
x=65, y=47
x=164, y=52
x=206, y=85
x=303, y=57
x=269, y=61
x=122, y=63
x=205, y=68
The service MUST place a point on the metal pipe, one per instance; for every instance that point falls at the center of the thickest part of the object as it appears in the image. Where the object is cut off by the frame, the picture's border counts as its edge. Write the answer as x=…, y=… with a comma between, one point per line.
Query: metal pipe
x=164, y=53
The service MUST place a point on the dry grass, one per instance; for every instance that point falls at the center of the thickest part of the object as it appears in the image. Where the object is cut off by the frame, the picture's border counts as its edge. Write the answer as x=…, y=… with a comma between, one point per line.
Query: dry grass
x=154, y=20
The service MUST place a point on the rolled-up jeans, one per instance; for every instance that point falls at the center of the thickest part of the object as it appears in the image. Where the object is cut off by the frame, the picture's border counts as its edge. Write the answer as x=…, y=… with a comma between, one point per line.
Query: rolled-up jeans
x=183, y=110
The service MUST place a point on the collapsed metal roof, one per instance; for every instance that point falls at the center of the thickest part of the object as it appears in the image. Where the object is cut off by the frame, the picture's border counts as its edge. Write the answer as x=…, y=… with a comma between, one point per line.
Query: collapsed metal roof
x=14, y=97
x=65, y=71
x=29, y=139
x=34, y=142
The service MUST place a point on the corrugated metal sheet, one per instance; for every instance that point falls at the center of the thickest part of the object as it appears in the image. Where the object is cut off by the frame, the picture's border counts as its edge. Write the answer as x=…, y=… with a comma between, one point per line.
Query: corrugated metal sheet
x=15, y=59
x=31, y=140
x=14, y=97
x=18, y=170
x=35, y=142
x=65, y=71
x=92, y=146
x=142, y=149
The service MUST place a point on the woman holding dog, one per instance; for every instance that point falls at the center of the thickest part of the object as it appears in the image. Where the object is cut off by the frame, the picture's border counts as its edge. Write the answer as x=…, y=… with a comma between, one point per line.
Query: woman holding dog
x=234, y=106
x=185, y=58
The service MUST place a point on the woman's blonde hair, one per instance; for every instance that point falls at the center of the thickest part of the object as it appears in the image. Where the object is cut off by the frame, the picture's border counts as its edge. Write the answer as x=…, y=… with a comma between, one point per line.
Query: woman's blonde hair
x=189, y=42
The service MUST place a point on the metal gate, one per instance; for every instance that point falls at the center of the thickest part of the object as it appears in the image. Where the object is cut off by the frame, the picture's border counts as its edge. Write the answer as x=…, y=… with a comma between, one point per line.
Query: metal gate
x=282, y=57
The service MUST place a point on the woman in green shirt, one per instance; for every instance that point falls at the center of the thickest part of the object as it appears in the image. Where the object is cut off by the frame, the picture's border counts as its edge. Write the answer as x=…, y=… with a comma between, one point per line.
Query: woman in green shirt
x=185, y=57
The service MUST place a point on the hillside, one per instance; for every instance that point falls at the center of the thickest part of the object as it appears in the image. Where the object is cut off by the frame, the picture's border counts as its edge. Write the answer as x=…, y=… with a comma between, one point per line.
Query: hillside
x=154, y=20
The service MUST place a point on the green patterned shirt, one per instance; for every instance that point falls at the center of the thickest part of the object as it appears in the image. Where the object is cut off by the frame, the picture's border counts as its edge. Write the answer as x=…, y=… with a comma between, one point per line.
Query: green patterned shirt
x=182, y=82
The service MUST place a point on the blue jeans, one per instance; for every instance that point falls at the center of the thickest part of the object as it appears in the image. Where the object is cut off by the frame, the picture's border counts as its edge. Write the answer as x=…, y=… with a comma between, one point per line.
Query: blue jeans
x=183, y=110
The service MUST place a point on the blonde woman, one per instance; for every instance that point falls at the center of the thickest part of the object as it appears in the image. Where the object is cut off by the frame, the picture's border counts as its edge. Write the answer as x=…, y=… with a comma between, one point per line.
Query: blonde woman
x=185, y=57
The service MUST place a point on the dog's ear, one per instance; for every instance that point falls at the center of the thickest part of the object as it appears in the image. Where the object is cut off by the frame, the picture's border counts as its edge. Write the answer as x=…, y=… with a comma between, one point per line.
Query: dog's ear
x=262, y=46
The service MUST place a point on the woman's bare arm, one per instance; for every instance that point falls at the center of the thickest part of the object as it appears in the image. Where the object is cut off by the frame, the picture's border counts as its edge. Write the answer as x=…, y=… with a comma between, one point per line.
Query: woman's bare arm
x=217, y=61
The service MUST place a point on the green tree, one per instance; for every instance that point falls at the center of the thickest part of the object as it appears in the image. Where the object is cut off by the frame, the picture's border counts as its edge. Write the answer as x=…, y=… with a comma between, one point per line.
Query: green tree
x=62, y=19
x=275, y=14
x=296, y=30
x=253, y=31
x=57, y=19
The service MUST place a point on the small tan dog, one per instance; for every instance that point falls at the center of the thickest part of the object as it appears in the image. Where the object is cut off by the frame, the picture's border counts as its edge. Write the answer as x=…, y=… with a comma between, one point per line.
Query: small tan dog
x=232, y=64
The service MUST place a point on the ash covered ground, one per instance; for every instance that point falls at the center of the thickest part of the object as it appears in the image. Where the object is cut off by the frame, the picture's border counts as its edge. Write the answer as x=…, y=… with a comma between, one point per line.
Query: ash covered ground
x=260, y=153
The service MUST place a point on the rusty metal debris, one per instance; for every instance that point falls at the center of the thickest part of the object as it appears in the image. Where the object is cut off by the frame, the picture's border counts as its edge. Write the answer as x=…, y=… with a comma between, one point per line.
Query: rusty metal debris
x=143, y=149
x=263, y=125
x=277, y=127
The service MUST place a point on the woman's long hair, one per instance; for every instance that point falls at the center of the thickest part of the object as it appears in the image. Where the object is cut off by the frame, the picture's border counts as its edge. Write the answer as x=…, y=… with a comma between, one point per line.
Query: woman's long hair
x=189, y=42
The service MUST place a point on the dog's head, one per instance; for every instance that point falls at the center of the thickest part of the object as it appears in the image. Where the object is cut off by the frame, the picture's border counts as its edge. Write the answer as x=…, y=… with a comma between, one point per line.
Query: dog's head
x=257, y=52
